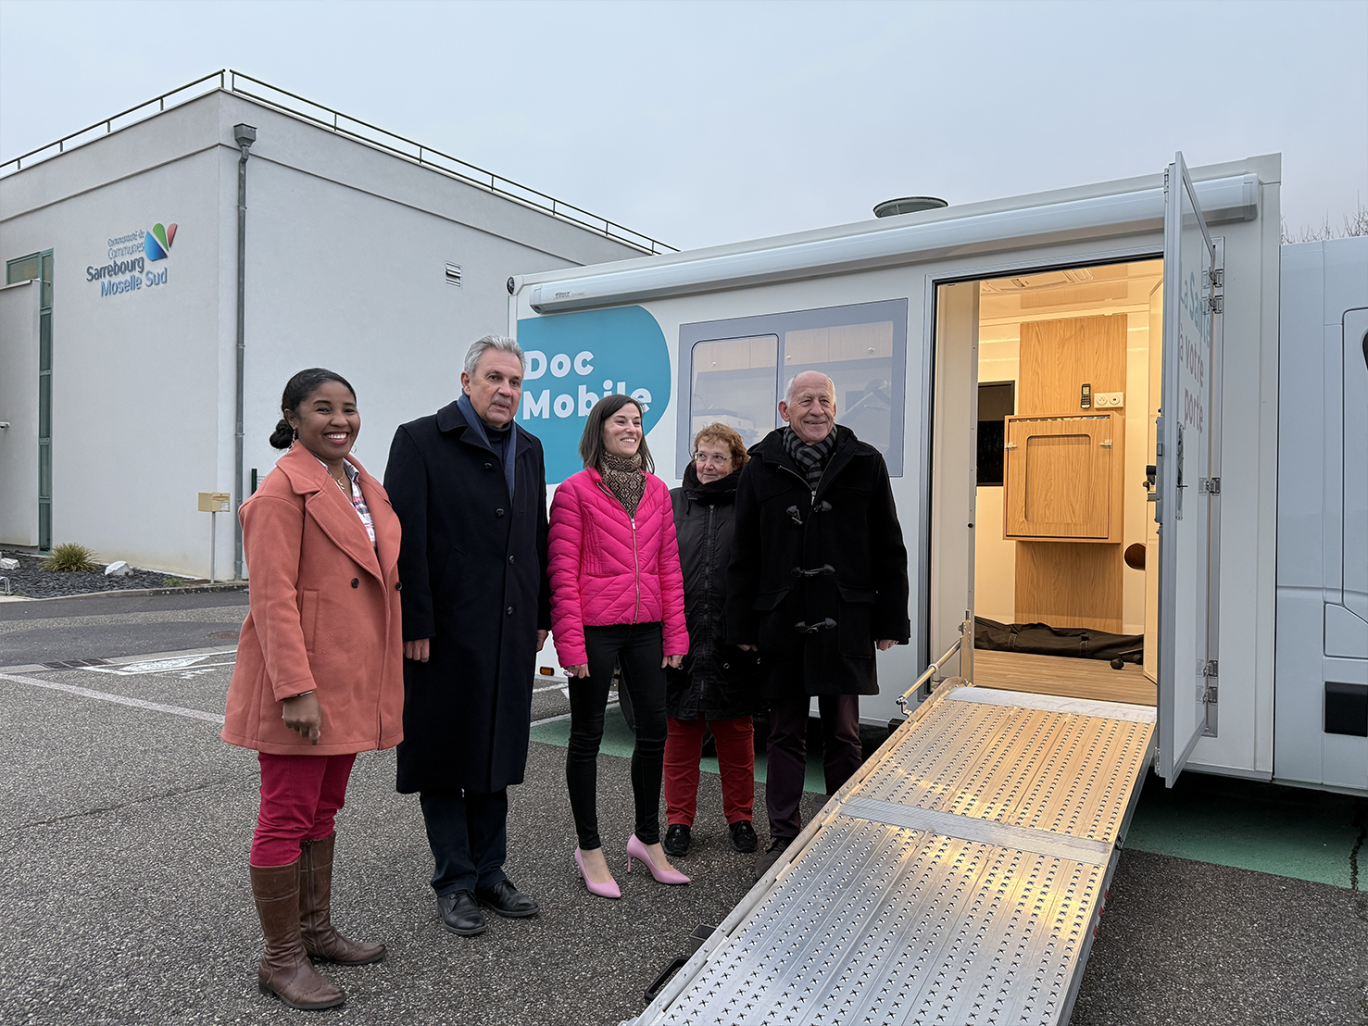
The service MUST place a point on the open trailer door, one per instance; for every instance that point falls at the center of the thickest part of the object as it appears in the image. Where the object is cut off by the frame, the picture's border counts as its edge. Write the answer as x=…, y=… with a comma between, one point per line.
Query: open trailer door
x=1188, y=489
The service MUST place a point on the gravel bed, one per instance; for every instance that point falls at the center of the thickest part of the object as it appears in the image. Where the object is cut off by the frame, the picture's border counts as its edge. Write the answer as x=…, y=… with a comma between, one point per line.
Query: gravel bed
x=31, y=579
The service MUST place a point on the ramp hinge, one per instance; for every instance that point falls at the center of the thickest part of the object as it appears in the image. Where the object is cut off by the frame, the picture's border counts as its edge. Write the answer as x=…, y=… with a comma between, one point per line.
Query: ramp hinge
x=1211, y=485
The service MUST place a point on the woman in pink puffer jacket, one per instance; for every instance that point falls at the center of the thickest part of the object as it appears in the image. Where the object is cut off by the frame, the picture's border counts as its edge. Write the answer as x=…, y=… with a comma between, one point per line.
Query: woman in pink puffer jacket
x=617, y=596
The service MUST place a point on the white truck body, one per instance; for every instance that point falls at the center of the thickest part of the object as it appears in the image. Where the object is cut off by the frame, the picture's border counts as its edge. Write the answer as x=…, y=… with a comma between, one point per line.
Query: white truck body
x=1253, y=600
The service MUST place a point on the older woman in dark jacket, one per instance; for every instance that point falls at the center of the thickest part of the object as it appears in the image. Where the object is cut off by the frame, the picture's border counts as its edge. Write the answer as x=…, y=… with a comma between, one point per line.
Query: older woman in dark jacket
x=719, y=686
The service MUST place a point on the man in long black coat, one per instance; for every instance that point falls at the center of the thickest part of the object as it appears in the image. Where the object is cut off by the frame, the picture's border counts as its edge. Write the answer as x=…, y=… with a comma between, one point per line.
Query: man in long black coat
x=469, y=487
x=818, y=581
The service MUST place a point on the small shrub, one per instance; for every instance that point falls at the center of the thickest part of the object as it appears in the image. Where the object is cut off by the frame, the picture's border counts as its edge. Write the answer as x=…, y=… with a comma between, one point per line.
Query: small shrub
x=69, y=557
x=173, y=582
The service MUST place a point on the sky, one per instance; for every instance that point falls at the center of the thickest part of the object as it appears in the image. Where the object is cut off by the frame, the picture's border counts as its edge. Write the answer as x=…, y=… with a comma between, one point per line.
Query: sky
x=705, y=123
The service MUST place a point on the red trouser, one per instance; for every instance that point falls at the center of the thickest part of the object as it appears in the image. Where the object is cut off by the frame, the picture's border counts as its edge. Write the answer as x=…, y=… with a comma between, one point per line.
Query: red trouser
x=300, y=796
x=735, y=757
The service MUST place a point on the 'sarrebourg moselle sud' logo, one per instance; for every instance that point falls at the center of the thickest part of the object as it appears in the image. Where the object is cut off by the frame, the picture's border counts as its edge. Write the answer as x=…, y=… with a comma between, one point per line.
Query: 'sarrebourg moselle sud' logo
x=129, y=256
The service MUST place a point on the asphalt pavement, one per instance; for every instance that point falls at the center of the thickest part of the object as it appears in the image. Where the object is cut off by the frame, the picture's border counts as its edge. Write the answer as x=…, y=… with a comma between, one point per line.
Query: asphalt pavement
x=125, y=827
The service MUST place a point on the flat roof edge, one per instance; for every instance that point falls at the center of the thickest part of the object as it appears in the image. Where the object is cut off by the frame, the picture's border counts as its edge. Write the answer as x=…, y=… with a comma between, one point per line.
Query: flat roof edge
x=353, y=129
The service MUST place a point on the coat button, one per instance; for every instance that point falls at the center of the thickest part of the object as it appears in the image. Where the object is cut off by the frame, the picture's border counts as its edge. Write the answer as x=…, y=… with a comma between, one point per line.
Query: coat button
x=498, y=512
x=726, y=666
x=356, y=583
x=398, y=585
x=489, y=466
x=510, y=559
x=510, y=610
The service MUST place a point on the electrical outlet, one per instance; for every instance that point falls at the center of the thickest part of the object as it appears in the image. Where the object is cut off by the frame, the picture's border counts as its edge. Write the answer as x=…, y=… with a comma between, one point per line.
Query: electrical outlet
x=1109, y=400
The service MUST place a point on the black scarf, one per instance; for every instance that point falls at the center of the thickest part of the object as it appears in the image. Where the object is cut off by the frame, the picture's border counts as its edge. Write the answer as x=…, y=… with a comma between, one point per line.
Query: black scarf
x=713, y=492
x=811, y=459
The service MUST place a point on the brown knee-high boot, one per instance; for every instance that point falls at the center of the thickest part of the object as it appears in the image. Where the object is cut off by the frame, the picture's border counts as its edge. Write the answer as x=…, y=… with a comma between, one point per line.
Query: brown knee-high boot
x=321, y=939
x=286, y=971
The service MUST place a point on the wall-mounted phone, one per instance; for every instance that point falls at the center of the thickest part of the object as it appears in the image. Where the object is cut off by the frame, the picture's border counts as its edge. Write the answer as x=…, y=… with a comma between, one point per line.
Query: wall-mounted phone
x=1085, y=402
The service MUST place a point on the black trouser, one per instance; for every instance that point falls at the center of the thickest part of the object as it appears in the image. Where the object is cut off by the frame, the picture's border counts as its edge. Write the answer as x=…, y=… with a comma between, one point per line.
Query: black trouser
x=468, y=835
x=787, y=754
x=638, y=650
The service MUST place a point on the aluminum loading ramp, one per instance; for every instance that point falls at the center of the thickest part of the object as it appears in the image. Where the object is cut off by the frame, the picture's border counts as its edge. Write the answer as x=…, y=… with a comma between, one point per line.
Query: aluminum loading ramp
x=956, y=880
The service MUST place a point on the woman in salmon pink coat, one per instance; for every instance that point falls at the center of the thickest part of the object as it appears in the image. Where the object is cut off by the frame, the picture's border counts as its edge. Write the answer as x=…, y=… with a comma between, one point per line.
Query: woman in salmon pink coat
x=319, y=674
x=617, y=597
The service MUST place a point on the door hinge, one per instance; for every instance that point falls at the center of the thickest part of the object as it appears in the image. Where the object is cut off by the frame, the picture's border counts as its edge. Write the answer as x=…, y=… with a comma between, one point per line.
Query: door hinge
x=1009, y=445
x=1213, y=297
x=1106, y=443
x=1211, y=485
x=1209, y=668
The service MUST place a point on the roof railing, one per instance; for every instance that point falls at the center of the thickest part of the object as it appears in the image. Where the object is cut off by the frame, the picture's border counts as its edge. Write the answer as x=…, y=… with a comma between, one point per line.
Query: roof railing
x=75, y=139
x=364, y=132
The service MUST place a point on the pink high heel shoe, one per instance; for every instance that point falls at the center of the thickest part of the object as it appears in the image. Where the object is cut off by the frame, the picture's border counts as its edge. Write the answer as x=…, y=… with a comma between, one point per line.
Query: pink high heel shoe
x=637, y=850
x=603, y=890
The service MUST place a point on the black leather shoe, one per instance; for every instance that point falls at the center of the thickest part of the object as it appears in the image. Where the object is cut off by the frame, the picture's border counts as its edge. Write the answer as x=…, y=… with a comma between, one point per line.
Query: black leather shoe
x=460, y=914
x=771, y=856
x=676, y=839
x=743, y=837
x=506, y=900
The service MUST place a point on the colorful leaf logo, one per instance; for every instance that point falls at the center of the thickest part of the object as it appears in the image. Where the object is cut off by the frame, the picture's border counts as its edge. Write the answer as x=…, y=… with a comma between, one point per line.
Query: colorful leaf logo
x=157, y=242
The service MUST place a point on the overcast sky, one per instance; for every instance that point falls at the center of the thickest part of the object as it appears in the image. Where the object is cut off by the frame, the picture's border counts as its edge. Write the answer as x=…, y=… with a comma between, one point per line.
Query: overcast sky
x=703, y=123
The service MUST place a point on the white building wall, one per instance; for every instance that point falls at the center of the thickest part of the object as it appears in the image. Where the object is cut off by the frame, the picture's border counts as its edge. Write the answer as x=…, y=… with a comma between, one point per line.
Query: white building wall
x=346, y=254
x=134, y=375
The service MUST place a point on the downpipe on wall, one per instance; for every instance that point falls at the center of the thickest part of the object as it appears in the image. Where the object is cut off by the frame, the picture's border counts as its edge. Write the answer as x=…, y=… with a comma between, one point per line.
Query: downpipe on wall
x=244, y=136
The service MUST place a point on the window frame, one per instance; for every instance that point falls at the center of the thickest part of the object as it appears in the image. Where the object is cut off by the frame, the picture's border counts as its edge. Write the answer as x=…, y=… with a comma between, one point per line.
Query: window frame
x=779, y=324
x=44, y=276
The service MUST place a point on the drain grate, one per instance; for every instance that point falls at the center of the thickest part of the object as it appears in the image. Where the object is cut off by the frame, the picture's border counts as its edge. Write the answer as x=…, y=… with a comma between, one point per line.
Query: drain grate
x=74, y=664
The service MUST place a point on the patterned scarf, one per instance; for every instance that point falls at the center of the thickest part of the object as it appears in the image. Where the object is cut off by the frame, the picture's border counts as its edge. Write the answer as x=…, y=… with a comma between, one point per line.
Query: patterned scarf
x=623, y=476
x=811, y=459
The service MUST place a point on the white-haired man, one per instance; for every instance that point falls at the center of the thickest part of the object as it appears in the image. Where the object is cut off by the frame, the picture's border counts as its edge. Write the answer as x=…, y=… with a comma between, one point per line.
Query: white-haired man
x=469, y=487
x=817, y=581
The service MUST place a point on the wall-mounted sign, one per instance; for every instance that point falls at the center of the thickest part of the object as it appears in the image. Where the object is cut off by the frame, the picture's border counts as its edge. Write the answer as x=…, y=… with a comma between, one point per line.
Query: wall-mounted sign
x=128, y=257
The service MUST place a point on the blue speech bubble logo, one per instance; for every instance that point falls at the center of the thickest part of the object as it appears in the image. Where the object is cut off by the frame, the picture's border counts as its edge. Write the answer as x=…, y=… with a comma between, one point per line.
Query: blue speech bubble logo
x=574, y=360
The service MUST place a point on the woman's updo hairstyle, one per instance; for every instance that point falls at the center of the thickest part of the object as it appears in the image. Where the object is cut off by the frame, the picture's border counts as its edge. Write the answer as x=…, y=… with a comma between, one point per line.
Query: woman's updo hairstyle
x=297, y=389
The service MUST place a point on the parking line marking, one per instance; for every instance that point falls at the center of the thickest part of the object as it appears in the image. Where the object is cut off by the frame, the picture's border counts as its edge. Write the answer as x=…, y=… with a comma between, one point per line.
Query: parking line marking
x=105, y=696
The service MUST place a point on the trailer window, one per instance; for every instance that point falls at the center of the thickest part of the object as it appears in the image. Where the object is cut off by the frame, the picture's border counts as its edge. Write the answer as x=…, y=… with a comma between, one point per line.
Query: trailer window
x=738, y=369
x=734, y=383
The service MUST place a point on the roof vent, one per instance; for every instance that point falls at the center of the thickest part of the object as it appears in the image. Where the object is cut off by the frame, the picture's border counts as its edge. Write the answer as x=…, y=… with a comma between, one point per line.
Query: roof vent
x=453, y=274
x=908, y=205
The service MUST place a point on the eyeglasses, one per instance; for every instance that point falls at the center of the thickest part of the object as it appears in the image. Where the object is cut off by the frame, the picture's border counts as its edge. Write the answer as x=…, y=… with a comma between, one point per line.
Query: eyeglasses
x=711, y=459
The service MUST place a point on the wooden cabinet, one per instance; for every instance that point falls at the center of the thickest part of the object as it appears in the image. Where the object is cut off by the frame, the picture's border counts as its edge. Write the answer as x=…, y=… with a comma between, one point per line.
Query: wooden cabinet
x=1063, y=478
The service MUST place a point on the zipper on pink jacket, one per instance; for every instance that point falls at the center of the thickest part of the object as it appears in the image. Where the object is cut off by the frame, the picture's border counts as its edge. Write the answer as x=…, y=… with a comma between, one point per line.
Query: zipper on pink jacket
x=636, y=560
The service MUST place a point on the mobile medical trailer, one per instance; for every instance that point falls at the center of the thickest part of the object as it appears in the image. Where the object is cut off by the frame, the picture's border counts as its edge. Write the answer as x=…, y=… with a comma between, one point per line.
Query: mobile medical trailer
x=1077, y=394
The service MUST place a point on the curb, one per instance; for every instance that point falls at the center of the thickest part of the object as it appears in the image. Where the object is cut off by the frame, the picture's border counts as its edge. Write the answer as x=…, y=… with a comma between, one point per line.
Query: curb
x=189, y=589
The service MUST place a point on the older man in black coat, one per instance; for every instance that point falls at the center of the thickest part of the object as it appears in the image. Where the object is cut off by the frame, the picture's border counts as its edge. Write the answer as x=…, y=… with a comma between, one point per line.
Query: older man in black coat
x=469, y=487
x=818, y=581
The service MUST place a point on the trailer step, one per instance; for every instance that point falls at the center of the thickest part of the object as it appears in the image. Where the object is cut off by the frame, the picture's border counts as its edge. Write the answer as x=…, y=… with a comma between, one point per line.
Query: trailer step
x=957, y=879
